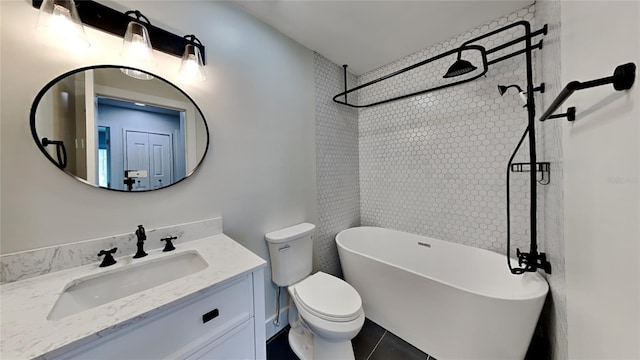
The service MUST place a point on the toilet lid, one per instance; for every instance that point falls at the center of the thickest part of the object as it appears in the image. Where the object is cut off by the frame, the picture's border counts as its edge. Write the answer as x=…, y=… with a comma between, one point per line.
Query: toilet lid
x=328, y=297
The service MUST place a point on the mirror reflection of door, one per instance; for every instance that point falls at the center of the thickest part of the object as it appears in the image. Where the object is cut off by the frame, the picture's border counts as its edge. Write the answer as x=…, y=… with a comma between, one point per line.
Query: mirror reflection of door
x=151, y=154
x=151, y=142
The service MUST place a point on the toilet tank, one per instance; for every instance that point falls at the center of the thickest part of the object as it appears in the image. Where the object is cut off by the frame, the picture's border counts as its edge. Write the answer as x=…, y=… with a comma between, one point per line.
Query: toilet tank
x=291, y=253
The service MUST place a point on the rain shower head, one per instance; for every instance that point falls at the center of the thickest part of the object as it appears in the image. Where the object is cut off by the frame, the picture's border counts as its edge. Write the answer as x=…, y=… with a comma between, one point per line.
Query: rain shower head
x=460, y=67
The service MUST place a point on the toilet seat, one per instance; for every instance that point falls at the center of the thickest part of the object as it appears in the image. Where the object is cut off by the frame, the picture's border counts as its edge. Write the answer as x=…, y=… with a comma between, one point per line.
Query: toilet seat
x=328, y=297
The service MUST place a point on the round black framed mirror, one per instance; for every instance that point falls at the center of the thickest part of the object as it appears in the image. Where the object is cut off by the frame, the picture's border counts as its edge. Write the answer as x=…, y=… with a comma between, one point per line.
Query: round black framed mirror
x=112, y=130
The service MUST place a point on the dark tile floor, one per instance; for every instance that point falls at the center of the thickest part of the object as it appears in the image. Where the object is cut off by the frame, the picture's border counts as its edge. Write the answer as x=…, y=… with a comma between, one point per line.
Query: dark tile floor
x=372, y=343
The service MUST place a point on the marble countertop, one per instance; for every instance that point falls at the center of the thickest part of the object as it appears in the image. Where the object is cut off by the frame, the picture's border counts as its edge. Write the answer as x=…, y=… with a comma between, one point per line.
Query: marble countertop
x=26, y=332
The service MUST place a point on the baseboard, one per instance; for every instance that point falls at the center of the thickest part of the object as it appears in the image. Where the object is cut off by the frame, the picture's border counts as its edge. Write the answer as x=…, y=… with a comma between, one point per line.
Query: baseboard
x=271, y=328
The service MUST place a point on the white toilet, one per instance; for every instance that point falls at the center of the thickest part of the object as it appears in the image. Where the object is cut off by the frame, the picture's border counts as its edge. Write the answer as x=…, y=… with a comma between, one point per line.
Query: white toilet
x=326, y=312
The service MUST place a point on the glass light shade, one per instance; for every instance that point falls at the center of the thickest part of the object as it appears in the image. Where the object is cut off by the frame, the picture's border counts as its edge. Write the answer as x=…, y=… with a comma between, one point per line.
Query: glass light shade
x=192, y=66
x=60, y=19
x=136, y=74
x=137, y=50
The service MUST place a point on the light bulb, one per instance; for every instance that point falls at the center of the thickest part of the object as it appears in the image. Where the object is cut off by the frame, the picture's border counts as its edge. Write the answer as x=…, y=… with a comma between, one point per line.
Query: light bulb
x=136, y=46
x=60, y=20
x=138, y=50
x=192, y=66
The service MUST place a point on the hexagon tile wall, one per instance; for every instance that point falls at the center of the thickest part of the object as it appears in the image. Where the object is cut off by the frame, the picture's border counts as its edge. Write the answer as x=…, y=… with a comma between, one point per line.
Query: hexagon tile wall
x=435, y=164
x=337, y=164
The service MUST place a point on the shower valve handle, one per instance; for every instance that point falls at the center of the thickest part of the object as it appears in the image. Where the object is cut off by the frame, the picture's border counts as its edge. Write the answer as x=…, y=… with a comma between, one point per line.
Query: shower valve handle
x=521, y=257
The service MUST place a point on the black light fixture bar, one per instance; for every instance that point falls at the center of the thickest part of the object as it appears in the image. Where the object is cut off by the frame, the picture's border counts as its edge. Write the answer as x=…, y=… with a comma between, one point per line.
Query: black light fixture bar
x=115, y=22
x=622, y=79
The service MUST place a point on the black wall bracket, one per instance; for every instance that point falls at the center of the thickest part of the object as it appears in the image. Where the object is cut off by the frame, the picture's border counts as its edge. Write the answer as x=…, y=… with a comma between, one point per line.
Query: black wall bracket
x=570, y=114
x=622, y=79
x=115, y=22
x=61, y=151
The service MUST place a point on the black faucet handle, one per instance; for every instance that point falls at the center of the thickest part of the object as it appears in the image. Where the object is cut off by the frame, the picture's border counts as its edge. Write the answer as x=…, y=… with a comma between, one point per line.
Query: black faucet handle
x=108, y=257
x=169, y=245
x=107, y=252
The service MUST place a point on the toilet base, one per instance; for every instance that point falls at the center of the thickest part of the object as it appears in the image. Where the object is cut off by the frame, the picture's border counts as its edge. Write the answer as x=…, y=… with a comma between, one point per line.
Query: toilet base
x=308, y=346
x=301, y=342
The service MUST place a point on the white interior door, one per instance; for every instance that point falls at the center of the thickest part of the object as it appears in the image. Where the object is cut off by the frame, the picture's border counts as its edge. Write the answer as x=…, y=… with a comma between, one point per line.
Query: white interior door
x=137, y=156
x=151, y=152
x=160, y=160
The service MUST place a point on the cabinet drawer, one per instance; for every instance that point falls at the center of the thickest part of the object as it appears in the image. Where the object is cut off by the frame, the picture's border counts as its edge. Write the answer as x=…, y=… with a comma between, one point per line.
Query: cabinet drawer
x=176, y=331
x=237, y=344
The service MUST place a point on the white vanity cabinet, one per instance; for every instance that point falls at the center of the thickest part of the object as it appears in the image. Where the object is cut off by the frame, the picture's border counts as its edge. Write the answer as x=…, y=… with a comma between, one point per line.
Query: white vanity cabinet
x=222, y=322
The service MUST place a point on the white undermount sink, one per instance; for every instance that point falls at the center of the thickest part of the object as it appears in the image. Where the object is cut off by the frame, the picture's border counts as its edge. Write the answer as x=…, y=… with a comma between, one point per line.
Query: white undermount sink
x=91, y=291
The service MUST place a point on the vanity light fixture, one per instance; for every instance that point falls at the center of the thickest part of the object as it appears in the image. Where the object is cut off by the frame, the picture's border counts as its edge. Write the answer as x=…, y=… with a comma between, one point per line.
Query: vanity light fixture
x=144, y=36
x=60, y=19
x=192, y=66
x=136, y=47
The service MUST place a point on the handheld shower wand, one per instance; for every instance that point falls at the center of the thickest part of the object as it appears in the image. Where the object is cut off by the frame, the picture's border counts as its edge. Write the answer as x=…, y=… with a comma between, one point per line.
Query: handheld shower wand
x=523, y=94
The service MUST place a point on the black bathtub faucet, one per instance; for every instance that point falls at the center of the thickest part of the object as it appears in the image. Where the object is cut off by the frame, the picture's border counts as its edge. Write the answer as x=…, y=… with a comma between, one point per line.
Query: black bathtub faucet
x=142, y=236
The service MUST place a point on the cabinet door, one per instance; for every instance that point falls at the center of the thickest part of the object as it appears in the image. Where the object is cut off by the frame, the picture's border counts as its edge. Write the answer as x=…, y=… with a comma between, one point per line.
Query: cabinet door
x=237, y=344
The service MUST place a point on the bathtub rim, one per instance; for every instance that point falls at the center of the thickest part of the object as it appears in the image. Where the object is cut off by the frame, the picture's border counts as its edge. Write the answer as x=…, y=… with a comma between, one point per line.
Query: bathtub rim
x=543, y=292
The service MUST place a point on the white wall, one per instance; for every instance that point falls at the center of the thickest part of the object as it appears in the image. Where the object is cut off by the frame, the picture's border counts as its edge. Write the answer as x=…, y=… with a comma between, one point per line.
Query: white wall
x=602, y=163
x=258, y=100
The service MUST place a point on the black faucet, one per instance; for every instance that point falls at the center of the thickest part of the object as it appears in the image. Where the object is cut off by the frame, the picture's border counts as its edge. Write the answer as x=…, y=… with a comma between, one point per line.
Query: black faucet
x=140, y=243
x=108, y=257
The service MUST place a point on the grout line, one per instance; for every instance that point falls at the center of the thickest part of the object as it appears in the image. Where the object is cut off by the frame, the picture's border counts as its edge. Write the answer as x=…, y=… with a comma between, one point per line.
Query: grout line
x=378, y=343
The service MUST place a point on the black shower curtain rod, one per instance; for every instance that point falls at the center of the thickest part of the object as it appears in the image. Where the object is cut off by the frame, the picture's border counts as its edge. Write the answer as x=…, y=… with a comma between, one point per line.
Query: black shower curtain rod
x=527, y=261
x=465, y=46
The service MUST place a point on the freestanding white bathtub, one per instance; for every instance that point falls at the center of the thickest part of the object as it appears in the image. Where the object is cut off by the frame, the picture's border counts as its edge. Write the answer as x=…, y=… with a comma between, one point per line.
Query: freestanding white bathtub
x=449, y=300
